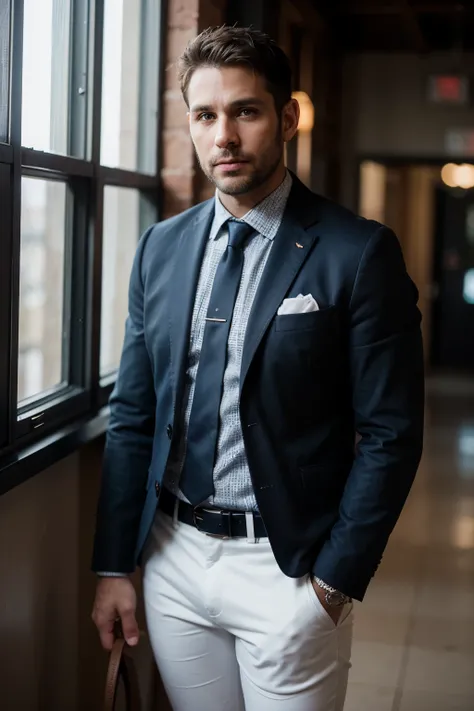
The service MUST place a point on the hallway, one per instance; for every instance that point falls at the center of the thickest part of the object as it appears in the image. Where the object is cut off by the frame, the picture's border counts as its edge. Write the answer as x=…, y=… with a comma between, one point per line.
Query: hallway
x=414, y=633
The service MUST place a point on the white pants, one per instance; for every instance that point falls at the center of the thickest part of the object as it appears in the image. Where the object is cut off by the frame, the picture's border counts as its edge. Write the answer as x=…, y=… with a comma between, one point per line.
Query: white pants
x=231, y=632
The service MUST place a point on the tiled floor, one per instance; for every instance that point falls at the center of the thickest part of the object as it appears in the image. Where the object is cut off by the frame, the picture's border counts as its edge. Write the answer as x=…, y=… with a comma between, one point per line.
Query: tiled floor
x=414, y=632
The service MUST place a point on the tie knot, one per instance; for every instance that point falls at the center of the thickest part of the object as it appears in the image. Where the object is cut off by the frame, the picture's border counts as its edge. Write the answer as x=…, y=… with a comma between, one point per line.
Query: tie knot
x=238, y=233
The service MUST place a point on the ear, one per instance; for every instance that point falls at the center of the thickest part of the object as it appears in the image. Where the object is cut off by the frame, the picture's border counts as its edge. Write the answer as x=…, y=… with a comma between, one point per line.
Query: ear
x=290, y=118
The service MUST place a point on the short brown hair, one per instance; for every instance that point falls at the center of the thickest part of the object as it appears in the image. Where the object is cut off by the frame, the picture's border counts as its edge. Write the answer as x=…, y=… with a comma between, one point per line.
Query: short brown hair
x=238, y=46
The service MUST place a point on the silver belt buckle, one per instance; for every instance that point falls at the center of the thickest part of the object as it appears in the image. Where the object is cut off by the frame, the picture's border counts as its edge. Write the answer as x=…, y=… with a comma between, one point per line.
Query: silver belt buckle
x=197, y=518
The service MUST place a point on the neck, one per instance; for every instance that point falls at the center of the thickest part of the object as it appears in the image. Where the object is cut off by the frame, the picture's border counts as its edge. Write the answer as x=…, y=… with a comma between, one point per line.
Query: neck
x=239, y=205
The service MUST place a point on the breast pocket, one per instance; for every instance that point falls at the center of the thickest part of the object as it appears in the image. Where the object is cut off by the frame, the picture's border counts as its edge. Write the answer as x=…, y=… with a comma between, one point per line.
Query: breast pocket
x=324, y=318
x=307, y=342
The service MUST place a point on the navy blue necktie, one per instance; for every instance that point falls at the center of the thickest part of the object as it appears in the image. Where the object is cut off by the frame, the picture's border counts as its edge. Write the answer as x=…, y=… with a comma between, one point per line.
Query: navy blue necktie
x=197, y=482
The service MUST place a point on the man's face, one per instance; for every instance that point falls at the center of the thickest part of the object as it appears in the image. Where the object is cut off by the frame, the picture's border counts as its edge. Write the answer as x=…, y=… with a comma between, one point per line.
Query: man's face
x=236, y=131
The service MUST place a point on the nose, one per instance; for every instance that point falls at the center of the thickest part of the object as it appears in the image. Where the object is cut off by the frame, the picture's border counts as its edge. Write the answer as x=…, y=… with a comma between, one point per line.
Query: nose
x=226, y=133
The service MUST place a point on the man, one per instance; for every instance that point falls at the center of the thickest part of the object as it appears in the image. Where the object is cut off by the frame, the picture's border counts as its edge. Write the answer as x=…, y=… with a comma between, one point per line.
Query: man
x=267, y=327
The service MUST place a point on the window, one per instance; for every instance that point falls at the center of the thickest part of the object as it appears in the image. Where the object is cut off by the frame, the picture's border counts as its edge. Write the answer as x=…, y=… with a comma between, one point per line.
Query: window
x=42, y=263
x=129, y=85
x=46, y=71
x=78, y=185
x=125, y=215
x=4, y=67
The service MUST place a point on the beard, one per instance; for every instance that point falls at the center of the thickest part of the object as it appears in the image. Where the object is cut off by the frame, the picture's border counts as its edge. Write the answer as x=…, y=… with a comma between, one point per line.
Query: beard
x=242, y=184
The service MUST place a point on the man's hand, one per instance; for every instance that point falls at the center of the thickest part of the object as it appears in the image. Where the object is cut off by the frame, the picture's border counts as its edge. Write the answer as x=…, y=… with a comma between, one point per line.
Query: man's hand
x=115, y=598
x=333, y=612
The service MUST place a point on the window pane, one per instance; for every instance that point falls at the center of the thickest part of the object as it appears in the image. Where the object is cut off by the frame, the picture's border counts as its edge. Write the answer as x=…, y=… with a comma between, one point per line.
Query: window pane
x=122, y=227
x=4, y=67
x=41, y=330
x=130, y=84
x=46, y=66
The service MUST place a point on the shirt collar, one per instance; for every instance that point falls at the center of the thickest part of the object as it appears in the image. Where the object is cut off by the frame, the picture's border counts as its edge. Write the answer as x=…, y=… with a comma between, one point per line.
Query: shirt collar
x=265, y=217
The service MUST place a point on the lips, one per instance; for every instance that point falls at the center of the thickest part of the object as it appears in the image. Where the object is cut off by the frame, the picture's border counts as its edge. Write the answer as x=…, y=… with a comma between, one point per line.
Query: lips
x=233, y=165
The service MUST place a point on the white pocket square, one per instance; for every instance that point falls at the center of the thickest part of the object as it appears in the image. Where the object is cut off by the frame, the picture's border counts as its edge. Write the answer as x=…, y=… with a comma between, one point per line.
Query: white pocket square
x=298, y=305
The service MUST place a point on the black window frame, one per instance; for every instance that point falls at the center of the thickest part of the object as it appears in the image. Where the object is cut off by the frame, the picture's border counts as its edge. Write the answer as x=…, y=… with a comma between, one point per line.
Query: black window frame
x=83, y=399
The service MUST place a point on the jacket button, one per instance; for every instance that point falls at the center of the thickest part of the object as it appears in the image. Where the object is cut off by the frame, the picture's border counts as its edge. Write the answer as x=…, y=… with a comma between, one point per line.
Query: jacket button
x=157, y=488
x=169, y=432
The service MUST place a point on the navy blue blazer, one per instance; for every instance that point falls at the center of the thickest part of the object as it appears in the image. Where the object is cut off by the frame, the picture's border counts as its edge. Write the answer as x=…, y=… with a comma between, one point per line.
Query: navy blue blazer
x=309, y=383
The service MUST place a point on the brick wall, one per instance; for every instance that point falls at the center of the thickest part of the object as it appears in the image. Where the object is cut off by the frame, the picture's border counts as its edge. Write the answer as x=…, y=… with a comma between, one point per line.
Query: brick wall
x=183, y=182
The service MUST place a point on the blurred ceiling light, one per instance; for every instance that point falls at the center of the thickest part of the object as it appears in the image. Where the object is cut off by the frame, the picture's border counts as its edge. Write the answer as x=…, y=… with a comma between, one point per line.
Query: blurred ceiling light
x=306, y=121
x=465, y=176
x=448, y=173
x=458, y=176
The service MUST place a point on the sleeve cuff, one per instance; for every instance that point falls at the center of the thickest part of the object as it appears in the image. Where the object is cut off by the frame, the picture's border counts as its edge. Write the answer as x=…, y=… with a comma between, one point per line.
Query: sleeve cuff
x=111, y=574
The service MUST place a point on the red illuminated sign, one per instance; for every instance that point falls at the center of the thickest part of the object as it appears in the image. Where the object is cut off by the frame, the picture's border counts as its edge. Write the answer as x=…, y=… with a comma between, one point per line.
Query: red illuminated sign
x=449, y=89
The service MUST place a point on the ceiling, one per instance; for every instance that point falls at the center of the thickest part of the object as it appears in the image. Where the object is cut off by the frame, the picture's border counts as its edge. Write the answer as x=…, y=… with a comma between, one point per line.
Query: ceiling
x=400, y=25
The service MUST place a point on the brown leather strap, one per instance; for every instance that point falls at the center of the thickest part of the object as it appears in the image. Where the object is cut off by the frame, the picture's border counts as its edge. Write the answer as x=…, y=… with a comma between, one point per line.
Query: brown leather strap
x=121, y=667
x=113, y=673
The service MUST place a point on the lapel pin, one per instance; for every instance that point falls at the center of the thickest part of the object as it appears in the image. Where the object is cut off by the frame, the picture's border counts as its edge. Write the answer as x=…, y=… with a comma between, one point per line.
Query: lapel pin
x=300, y=246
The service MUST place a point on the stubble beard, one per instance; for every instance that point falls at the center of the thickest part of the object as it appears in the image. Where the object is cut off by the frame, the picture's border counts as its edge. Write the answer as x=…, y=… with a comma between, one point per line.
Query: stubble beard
x=244, y=184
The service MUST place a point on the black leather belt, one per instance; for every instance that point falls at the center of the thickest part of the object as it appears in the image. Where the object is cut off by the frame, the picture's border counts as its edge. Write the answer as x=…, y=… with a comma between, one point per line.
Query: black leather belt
x=214, y=522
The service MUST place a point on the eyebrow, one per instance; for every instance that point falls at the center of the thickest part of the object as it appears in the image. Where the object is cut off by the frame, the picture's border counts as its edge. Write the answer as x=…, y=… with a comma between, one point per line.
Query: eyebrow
x=246, y=101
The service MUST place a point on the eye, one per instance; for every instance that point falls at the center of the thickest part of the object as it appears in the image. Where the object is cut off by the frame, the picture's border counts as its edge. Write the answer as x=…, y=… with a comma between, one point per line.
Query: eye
x=247, y=112
x=206, y=116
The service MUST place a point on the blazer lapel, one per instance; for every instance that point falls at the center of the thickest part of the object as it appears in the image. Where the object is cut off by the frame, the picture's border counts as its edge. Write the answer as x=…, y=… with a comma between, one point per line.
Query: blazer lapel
x=289, y=252
x=189, y=254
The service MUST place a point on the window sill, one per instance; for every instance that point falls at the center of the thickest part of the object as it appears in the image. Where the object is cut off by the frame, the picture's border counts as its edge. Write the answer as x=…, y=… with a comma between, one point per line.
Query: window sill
x=27, y=462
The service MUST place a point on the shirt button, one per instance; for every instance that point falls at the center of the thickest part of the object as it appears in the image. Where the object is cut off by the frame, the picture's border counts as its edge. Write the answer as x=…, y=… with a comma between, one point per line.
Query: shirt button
x=157, y=488
x=169, y=432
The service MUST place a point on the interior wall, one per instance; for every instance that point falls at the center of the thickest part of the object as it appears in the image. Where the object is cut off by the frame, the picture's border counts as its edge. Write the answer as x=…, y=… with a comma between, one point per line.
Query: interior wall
x=403, y=198
x=39, y=591
x=385, y=110
x=395, y=115
x=373, y=188
x=317, y=69
x=418, y=239
x=50, y=655
x=183, y=183
x=92, y=659
x=386, y=113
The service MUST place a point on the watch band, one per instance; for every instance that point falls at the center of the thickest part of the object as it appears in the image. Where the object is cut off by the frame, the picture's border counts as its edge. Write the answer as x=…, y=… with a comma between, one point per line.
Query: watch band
x=333, y=596
x=324, y=585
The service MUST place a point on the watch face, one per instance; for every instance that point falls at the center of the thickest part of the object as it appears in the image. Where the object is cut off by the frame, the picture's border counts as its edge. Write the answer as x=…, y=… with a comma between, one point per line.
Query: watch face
x=335, y=598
